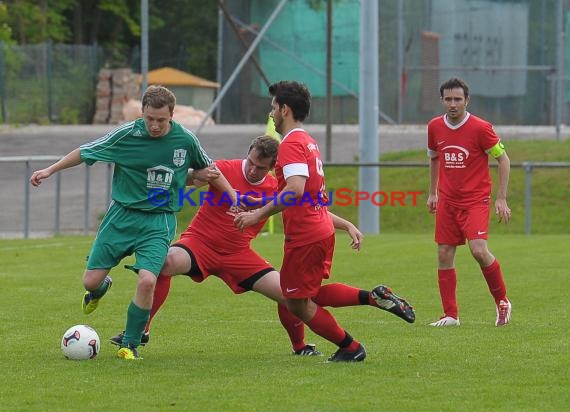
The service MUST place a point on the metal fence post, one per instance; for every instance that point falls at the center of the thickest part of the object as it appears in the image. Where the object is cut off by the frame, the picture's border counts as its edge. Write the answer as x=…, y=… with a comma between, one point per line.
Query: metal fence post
x=27, y=201
x=3, y=84
x=527, y=197
x=56, y=227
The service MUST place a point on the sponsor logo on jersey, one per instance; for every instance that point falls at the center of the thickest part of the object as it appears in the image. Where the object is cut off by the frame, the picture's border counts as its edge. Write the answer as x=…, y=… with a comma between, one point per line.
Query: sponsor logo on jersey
x=455, y=156
x=159, y=176
x=312, y=147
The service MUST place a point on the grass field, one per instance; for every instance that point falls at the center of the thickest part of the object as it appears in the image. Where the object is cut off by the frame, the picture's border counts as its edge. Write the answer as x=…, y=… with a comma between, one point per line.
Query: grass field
x=213, y=351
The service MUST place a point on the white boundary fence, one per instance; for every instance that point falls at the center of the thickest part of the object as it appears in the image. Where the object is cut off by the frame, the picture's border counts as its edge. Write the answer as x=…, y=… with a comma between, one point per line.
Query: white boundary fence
x=27, y=161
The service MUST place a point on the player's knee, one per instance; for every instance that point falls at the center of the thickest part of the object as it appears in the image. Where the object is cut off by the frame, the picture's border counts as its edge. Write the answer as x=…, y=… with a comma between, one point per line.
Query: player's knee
x=177, y=261
x=146, y=282
x=480, y=253
x=169, y=262
x=445, y=256
x=92, y=281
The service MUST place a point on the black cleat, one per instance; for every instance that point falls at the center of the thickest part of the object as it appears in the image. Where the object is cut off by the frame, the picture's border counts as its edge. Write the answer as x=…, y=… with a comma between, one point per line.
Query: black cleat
x=308, y=350
x=342, y=355
x=386, y=300
x=118, y=339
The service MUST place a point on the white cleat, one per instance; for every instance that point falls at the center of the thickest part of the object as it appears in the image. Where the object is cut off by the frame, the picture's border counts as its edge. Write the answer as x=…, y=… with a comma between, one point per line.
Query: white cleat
x=503, y=313
x=446, y=321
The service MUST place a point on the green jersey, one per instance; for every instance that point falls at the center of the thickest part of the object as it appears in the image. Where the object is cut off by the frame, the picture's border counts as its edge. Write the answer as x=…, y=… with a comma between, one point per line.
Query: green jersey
x=149, y=171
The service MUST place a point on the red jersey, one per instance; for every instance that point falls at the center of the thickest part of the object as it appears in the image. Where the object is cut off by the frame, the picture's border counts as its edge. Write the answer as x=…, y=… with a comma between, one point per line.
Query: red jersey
x=214, y=225
x=464, y=177
x=307, y=221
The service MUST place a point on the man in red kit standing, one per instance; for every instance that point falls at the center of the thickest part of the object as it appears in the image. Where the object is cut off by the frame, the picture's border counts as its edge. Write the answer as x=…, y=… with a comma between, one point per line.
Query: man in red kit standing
x=459, y=144
x=308, y=225
x=212, y=245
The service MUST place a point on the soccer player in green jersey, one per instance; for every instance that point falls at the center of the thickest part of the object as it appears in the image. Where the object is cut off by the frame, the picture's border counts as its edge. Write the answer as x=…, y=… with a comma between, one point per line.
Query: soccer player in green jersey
x=152, y=156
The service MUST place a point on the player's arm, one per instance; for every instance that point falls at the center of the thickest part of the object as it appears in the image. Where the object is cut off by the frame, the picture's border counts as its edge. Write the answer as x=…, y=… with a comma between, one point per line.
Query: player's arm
x=356, y=235
x=433, y=180
x=222, y=184
x=201, y=177
x=71, y=159
x=504, y=170
x=294, y=188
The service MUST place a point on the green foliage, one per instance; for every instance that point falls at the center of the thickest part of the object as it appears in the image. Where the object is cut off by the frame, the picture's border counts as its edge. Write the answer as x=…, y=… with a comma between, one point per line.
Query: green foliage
x=69, y=115
x=74, y=89
x=209, y=348
x=32, y=23
x=5, y=29
x=125, y=12
x=187, y=39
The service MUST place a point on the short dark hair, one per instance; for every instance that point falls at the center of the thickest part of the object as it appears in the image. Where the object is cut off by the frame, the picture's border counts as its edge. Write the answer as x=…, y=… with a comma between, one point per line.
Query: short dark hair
x=266, y=146
x=454, y=83
x=157, y=97
x=295, y=95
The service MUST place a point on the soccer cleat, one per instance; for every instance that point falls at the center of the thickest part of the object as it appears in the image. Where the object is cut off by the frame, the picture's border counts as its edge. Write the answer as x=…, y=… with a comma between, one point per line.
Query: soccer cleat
x=386, y=300
x=446, y=321
x=503, y=313
x=89, y=302
x=342, y=355
x=118, y=339
x=308, y=350
x=128, y=353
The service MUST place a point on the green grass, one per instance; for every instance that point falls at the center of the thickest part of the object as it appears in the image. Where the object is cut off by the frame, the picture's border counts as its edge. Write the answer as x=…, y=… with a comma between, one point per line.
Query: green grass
x=550, y=192
x=212, y=351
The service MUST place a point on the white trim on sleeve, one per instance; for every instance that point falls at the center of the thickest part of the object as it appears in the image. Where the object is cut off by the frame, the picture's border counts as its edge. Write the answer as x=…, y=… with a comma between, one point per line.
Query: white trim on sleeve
x=432, y=154
x=295, y=169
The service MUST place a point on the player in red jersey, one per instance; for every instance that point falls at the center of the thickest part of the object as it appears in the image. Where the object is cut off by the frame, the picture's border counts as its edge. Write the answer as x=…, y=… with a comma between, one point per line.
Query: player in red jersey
x=459, y=145
x=212, y=245
x=308, y=225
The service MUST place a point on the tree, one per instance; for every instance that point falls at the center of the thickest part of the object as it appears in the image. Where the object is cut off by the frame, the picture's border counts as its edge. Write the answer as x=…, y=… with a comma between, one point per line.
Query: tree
x=31, y=21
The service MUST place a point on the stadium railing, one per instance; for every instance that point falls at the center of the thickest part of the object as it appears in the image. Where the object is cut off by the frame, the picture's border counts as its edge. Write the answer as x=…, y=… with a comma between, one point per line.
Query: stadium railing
x=8, y=192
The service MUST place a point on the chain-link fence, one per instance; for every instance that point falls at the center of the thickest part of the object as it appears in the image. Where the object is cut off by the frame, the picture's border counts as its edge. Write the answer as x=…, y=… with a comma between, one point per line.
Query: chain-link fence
x=505, y=49
x=45, y=83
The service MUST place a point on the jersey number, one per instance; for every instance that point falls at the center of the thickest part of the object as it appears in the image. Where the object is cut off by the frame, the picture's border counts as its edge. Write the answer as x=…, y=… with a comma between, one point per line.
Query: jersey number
x=319, y=165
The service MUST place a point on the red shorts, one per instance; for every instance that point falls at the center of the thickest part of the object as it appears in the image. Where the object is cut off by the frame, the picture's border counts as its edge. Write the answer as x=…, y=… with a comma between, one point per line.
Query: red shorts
x=455, y=224
x=305, y=267
x=238, y=270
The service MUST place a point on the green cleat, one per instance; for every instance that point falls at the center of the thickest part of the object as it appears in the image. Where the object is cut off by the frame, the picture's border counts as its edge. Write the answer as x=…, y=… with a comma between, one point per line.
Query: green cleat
x=89, y=303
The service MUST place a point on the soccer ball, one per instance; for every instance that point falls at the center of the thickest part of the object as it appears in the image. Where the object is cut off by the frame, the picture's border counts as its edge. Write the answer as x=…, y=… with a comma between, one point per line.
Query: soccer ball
x=80, y=342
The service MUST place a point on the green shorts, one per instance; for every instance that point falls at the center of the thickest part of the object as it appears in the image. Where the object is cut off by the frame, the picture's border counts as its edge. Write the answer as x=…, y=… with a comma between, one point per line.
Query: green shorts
x=125, y=231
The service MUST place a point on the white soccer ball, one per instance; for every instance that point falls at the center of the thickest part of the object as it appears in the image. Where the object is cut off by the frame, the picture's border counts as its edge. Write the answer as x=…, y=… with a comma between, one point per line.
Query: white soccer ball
x=80, y=342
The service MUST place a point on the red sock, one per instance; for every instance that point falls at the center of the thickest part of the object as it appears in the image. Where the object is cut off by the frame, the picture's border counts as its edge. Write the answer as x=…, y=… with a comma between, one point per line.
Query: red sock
x=447, y=280
x=338, y=295
x=494, y=277
x=293, y=325
x=161, y=290
x=325, y=325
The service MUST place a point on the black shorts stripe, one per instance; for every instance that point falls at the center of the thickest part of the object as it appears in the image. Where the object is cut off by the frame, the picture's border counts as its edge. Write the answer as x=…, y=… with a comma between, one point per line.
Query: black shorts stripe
x=250, y=281
x=194, y=268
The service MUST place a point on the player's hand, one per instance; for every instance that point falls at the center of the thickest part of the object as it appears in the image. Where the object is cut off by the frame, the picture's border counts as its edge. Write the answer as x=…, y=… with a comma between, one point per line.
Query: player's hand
x=432, y=203
x=38, y=176
x=502, y=210
x=356, y=237
x=246, y=202
x=206, y=174
x=235, y=210
x=246, y=219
